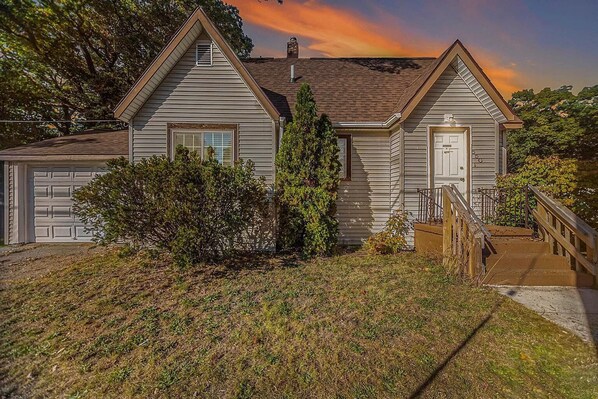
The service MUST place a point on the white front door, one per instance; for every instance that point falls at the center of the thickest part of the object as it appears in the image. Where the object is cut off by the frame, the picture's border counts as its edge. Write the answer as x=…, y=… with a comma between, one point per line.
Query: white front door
x=450, y=160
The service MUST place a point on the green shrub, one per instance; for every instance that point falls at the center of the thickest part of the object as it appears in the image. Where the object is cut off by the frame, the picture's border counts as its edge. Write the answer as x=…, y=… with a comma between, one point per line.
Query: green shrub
x=196, y=210
x=552, y=175
x=574, y=183
x=307, y=179
x=392, y=239
x=555, y=176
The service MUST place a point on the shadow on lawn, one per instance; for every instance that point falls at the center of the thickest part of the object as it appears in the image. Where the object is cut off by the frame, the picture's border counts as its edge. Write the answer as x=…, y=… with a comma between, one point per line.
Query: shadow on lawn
x=263, y=261
x=423, y=386
x=259, y=262
x=242, y=263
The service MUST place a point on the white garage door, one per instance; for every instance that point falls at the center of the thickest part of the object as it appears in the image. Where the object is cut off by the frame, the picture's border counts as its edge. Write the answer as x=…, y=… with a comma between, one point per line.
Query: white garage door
x=53, y=187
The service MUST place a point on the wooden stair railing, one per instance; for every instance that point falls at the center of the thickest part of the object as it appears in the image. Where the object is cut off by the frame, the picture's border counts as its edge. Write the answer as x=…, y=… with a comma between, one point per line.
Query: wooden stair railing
x=567, y=234
x=464, y=236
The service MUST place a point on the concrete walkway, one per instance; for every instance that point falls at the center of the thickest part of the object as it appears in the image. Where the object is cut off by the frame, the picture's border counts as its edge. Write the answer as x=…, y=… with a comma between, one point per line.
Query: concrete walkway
x=31, y=260
x=575, y=309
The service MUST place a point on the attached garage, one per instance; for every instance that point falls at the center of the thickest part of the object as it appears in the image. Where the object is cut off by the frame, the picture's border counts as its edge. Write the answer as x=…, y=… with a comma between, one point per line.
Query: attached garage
x=52, y=188
x=40, y=180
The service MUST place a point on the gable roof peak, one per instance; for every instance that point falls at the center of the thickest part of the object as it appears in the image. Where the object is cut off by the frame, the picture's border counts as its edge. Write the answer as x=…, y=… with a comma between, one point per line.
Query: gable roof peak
x=420, y=87
x=128, y=107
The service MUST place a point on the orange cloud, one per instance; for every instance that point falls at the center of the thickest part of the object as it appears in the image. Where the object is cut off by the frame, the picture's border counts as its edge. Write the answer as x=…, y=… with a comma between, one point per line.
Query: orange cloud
x=334, y=31
x=504, y=78
x=338, y=32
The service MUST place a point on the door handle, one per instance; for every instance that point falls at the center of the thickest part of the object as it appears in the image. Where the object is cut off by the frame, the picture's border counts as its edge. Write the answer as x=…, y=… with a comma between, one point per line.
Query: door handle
x=462, y=179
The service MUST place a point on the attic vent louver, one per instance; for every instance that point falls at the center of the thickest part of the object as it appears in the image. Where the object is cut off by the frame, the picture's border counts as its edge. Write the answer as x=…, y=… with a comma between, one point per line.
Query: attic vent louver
x=203, y=54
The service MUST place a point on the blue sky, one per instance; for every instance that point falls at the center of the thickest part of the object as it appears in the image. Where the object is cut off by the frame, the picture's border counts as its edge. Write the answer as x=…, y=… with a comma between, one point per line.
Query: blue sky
x=520, y=44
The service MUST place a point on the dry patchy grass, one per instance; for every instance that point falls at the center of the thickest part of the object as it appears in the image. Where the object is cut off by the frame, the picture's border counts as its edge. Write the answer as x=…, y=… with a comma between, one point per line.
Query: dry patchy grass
x=344, y=327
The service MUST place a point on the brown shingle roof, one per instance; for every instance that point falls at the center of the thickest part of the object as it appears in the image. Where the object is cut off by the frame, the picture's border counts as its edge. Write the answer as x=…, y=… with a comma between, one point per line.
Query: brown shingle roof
x=89, y=145
x=347, y=89
x=414, y=87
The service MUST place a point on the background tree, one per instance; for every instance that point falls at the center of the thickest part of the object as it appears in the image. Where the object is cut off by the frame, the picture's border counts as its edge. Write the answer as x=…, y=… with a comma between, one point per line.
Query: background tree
x=557, y=149
x=556, y=122
x=21, y=100
x=307, y=179
x=68, y=59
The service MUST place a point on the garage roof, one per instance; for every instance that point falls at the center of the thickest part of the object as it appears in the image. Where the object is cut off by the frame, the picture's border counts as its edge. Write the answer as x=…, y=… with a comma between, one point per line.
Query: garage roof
x=90, y=145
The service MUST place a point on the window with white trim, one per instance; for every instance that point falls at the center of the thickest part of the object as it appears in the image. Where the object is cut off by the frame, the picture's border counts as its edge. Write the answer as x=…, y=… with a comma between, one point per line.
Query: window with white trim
x=203, y=54
x=221, y=142
x=344, y=156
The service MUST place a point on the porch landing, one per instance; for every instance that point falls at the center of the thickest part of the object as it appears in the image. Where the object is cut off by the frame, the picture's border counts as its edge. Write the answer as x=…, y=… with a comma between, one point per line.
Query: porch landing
x=512, y=257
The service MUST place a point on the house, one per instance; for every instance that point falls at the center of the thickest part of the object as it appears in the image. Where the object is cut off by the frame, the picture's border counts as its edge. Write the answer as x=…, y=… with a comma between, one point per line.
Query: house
x=403, y=124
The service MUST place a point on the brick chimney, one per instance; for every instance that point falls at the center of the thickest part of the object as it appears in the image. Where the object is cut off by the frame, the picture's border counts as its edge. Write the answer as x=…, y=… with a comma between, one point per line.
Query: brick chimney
x=293, y=48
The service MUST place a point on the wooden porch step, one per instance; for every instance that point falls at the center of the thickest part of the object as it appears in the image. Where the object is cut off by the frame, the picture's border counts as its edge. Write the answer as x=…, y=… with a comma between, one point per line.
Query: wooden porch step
x=513, y=245
x=514, y=258
x=568, y=278
x=525, y=261
x=507, y=231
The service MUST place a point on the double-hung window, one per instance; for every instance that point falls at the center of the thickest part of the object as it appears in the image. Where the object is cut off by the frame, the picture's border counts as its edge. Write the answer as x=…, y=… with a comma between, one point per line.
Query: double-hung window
x=221, y=142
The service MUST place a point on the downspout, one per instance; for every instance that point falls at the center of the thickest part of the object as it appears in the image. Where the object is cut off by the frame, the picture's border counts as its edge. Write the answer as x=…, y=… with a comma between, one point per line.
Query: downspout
x=281, y=125
x=130, y=142
x=4, y=205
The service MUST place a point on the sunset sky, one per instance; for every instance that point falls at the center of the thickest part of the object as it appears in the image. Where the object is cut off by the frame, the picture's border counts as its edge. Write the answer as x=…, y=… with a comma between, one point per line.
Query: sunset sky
x=520, y=44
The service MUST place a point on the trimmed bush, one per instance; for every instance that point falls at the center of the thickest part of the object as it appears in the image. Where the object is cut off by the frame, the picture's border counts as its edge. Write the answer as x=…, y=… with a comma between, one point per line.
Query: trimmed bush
x=392, y=239
x=196, y=210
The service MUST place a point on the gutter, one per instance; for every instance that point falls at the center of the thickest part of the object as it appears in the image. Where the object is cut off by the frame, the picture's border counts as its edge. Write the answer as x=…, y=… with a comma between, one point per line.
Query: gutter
x=370, y=125
x=41, y=158
x=508, y=125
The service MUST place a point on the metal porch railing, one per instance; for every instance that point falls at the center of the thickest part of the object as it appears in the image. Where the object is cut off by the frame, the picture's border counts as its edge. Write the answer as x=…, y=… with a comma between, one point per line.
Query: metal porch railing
x=429, y=205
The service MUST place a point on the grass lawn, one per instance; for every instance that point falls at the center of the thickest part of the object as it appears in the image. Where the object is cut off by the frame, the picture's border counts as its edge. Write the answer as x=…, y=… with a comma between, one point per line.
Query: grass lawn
x=344, y=327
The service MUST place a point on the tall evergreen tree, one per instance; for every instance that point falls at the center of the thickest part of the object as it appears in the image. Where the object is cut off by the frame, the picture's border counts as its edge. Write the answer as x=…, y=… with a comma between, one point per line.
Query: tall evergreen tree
x=307, y=179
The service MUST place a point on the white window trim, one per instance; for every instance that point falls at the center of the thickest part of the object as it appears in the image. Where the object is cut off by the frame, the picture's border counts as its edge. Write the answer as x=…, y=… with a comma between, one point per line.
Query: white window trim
x=173, y=133
x=203, y=43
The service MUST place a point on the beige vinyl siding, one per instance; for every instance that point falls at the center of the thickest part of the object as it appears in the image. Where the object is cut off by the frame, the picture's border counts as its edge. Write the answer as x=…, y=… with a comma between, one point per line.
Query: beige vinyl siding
x=9, y=196
x=13, y=214
x=478, y=90
x=206, y=94
x=364, y=201
x=502, y=153
x=449, y=95
x=396, y=160
x=169, y=63
x=17, y=205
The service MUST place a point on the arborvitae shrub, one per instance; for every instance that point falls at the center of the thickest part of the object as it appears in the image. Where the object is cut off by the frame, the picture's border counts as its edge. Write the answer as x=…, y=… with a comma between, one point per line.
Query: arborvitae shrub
x=307, y=179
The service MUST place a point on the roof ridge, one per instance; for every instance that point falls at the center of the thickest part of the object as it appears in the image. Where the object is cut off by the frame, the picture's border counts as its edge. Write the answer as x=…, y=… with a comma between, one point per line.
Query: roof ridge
x=338, y=58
